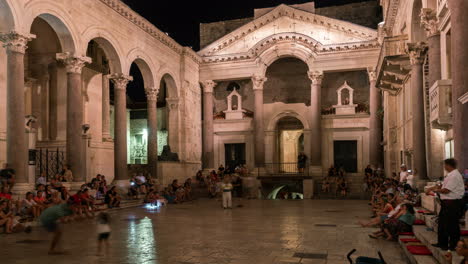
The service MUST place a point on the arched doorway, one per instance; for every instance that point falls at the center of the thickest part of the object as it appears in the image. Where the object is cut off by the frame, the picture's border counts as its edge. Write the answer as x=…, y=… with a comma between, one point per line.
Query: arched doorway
x=290, y=138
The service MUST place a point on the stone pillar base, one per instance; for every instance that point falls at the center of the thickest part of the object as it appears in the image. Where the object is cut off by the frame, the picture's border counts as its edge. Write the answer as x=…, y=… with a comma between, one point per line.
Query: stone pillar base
x=20, y=189
x=308, y=189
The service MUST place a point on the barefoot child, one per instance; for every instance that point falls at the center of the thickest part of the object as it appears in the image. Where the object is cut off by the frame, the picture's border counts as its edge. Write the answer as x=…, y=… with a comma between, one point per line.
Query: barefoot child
x=103, y=230
x=49, y=220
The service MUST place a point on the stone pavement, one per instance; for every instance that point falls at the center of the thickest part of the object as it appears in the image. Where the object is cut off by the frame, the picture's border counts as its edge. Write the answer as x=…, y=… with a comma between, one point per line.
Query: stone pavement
x=260, y=232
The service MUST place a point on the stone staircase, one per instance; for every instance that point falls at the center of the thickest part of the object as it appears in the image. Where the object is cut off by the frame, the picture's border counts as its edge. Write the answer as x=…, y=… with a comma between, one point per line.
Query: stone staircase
x=427, y=235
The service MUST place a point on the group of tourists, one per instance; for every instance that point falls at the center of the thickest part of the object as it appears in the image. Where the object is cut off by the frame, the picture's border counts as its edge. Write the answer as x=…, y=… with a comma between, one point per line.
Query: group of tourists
x=336, y=179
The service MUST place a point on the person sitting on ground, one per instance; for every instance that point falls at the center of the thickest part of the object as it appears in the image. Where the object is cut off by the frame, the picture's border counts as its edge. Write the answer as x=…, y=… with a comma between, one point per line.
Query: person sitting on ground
x=5, y=194
x=326, y=184
x=112, y=198
x=342, y=186
x=180, y=194
x=199, y=178
x=6, y=220
x=67, y=173
x=461, y=249
x=56, y=184
x=133, y=189
x=40, y=200
x=188, y=189
x=42, y=179
x=7, y=176
x=169, y=196
x=380, y=218
x=87, y=201
x=402, y=222
x=29, y=207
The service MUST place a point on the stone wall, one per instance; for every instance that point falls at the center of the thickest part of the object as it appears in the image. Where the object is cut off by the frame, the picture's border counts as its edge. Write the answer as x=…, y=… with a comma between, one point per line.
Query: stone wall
x=209, y=32
x=358, y=80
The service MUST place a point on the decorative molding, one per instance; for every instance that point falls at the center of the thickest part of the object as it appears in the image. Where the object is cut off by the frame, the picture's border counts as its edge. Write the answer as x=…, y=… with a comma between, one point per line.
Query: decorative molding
x=15, y=41
x=120, y=80
x=73, y=63
x=464, y=98
x=390, y=17
x=173, y=103
x=416, y=52
x=258, y=82
x=316, y=77
x=152, y=93
x=287, y=11
x=208, y=86
x=149, y=28
x=429, y=21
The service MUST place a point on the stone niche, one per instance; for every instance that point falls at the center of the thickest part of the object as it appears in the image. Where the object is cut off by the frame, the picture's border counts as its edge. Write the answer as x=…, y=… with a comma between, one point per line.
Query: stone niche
x=345, y=105
x=234, y=102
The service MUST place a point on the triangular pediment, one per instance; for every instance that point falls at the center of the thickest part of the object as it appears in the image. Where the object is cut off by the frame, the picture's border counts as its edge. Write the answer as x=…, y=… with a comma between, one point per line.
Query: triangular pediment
x=285, y=20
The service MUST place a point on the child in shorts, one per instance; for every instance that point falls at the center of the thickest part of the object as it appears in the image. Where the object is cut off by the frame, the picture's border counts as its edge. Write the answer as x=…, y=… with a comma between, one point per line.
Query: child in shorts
x=103, y=230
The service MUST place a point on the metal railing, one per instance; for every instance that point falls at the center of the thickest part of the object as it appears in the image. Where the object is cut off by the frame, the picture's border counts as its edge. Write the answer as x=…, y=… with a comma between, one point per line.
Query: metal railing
x=285, y=169
x=49, y=161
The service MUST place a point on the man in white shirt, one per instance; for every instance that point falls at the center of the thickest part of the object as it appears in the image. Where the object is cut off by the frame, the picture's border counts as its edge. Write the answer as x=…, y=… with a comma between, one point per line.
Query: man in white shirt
x=451, y=194
x=403, y=173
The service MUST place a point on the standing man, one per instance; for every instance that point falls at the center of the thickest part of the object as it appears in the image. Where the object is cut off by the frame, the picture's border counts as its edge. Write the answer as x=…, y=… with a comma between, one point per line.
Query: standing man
x=301, y=162
x=403, y=173
x=227, y=187
x=451, y=194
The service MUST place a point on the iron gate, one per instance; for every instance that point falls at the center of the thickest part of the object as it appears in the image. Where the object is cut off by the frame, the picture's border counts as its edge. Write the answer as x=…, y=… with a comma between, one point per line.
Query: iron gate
x=49, y=161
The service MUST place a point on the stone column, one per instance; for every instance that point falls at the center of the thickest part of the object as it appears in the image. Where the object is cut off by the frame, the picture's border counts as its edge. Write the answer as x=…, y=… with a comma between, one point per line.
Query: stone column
x=375, y=123
x=152, y=98
x=417, y=53
x=173, y=124
x=316, y=118
x=53, y=101
x=459, y=33
x=17, y=146
x=208, y=137
x=74, y=146
x=120, y=128
x=106, y=136
x=259, y=130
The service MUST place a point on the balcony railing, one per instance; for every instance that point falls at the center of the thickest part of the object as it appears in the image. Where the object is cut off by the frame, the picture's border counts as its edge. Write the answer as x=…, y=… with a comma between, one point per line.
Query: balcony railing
x=441, y=104
x=284, y=169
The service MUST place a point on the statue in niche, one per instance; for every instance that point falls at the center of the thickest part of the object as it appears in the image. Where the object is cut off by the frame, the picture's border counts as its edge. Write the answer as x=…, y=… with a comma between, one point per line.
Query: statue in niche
x=234, y=103
x=345, y=104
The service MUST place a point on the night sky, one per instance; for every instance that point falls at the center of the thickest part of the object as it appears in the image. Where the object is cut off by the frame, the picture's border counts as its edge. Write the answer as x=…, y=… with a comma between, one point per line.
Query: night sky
x=181, y=19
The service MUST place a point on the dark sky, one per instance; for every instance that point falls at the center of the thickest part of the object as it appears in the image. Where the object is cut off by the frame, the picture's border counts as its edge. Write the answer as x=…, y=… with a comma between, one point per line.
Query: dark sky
x=181, y=19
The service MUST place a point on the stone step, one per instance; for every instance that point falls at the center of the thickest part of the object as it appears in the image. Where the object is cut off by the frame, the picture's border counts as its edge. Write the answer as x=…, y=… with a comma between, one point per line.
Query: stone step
x=415, y=259
x=429, y=237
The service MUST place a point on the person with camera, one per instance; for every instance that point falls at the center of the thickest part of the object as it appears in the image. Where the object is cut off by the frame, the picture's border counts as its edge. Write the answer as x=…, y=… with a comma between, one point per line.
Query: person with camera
x=451, y=193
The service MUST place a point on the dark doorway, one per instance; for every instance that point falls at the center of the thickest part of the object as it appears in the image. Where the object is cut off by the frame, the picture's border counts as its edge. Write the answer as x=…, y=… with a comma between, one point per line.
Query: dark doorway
x=345, y=155
x=234, y=154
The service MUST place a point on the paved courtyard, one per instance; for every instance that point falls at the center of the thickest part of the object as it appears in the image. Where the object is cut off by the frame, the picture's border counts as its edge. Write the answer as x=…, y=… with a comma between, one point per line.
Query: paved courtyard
x=260, y=232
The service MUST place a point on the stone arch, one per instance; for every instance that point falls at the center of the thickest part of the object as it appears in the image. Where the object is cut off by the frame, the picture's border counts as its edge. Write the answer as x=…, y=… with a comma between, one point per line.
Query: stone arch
x=288, y=113
x=283, y=50
x=416, y=30
x=58, y=19
x=173, y=110
x=170, y=79
x=145, y=65
x=8, y=19
x=108, y=43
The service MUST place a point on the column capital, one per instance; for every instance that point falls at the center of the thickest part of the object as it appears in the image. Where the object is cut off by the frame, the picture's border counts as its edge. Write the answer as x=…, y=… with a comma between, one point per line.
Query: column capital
x=258, y=81
x=372, y=74
x=429, y=21
x=17, y=42
x=120, y=80
x=73, y=63
x=152, y=93
x=416, y=52
x=208, y=86
x=316, y=77
x=173, y=102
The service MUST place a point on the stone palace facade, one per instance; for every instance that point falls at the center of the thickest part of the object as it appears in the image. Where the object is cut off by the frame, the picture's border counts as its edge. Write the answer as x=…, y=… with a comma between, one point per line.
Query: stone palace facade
x=341, y=89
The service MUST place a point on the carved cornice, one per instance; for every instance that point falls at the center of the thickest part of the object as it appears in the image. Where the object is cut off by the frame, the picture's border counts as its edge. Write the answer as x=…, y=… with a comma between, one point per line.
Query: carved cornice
x=15, y=41
x=72, y=62
x=429, y=21
x=258, y=82
x=287, y=11
x=316, y=77
x=295, y=38
x=120, y=81
x=152, y=93
x=208, y=86
x=132, y=16
x=173, y=103
x=390, y=17
x=416, y=52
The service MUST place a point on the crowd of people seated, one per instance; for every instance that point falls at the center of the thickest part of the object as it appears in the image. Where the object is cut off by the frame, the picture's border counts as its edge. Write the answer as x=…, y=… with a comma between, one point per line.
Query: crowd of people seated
x=15, y=213
x=214, y=180
x=336, y=178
